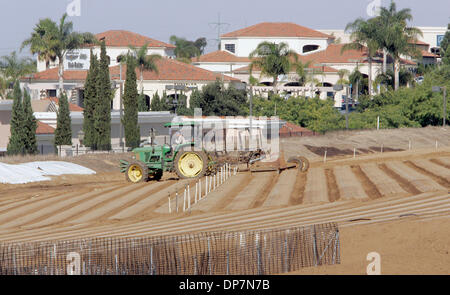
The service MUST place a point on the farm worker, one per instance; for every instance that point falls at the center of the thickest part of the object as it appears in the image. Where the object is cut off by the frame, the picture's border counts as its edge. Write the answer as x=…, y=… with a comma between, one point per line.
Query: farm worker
x=179, y=138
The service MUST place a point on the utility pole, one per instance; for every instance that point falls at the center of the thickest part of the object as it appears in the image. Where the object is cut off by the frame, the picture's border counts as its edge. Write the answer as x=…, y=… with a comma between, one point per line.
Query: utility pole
x=218, y=26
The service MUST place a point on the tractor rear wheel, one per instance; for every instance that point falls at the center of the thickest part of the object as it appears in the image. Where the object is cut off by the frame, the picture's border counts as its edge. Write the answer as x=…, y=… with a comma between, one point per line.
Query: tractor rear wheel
x=136, y=172
x=191, y=164
x=303, y=163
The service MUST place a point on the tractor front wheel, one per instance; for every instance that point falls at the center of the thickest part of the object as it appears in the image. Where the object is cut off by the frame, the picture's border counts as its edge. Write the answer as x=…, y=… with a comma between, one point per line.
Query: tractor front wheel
x=190, y=164
x=136, y=172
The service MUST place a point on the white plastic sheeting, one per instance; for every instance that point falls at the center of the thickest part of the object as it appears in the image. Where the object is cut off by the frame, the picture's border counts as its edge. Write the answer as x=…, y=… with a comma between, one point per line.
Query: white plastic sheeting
x=38, y=171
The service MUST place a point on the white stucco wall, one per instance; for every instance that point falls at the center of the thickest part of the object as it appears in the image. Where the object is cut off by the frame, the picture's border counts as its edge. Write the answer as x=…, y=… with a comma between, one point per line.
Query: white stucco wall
x=226, y=68
x=152, y=87
x=429, y=34
x=244, y=46
x=113, y=53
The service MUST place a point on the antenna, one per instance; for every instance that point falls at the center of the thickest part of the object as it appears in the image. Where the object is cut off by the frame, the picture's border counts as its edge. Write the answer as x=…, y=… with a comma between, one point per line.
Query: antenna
x=218, y=26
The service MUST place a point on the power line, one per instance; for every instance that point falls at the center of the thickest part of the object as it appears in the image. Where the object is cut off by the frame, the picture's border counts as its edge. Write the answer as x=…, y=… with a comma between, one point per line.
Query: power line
x=218, y=26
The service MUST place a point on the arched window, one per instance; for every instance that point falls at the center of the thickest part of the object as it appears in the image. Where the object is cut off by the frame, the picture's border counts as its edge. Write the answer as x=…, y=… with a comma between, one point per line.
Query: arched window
x=292, y=84
x=309, y=48
x=147, y=101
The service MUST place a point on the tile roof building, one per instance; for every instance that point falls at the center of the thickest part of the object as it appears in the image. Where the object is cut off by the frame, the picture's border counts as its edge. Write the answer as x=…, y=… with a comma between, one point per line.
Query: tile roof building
x=43, y=85
x=318, y=48
x=301, y=39
x=117, y=42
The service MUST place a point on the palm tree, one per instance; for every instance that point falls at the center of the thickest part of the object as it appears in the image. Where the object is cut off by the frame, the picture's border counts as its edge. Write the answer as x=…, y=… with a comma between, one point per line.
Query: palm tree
x=310, y=78
x=185, y=50
x=342, y=73
x=3, y=88
x=395, y=35
x=273, y=60
x=12, y=67
x=364, y=35
x=355, y=78
x=143, y=61
x=51, y=42
x=301, y=69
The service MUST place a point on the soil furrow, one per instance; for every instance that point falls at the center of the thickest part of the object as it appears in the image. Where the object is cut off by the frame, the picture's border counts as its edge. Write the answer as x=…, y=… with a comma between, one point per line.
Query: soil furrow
x=400, y=180
x=332, y=188
x=368, y=185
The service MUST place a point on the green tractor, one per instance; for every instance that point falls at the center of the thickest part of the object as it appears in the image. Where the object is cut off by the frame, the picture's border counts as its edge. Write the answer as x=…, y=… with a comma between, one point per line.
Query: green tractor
x=180, y=157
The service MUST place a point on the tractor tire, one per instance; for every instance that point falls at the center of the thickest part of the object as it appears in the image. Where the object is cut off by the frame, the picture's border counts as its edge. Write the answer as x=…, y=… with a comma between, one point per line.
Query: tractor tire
x=190, y=164
x=303, y=163
x=136, y=172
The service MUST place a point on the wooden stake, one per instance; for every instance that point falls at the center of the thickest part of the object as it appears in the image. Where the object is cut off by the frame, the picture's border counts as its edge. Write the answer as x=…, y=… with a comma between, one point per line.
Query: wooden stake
x=184, y=201
x=210, y=185
x=196, y=191
x=199, y=189
x=189, y=197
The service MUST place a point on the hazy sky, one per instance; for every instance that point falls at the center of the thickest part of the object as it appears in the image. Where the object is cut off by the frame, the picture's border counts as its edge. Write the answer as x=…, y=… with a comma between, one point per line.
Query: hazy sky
x=192, y=18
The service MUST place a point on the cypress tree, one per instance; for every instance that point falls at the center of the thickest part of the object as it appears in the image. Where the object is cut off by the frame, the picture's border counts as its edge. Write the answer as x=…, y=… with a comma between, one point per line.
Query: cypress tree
x=30, y=126
x=16, y=140
x=155, y=104
x=130, y=118
x=90, y=101
x=165, y=102
x=63, y=132
x=142, y=104
x=102, y=112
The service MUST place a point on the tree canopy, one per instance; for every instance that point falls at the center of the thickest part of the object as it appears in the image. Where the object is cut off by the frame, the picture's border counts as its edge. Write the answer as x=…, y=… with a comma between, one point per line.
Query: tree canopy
x=272, y=59
x=51, y=42
x=185, y=49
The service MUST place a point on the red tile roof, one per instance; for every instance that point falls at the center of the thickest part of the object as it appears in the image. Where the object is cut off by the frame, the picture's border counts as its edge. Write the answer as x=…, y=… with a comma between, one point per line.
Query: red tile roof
x=173, y=70
x=428, y=54
x=333, y=54
x=121, y=38
x=220, y=56
x=277, y=30
x=418, y=42
x=72, y=107
x=168, y=69
x=44, y=128
x=52, y=75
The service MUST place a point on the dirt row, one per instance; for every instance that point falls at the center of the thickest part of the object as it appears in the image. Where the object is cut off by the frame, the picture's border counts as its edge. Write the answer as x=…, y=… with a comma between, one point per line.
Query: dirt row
x=421, y=206
x=334, y=184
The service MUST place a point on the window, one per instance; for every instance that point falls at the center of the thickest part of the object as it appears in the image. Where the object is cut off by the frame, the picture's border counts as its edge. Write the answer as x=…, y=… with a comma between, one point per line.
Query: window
x=51, y=92
x=309, y=48
x=230, y=48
